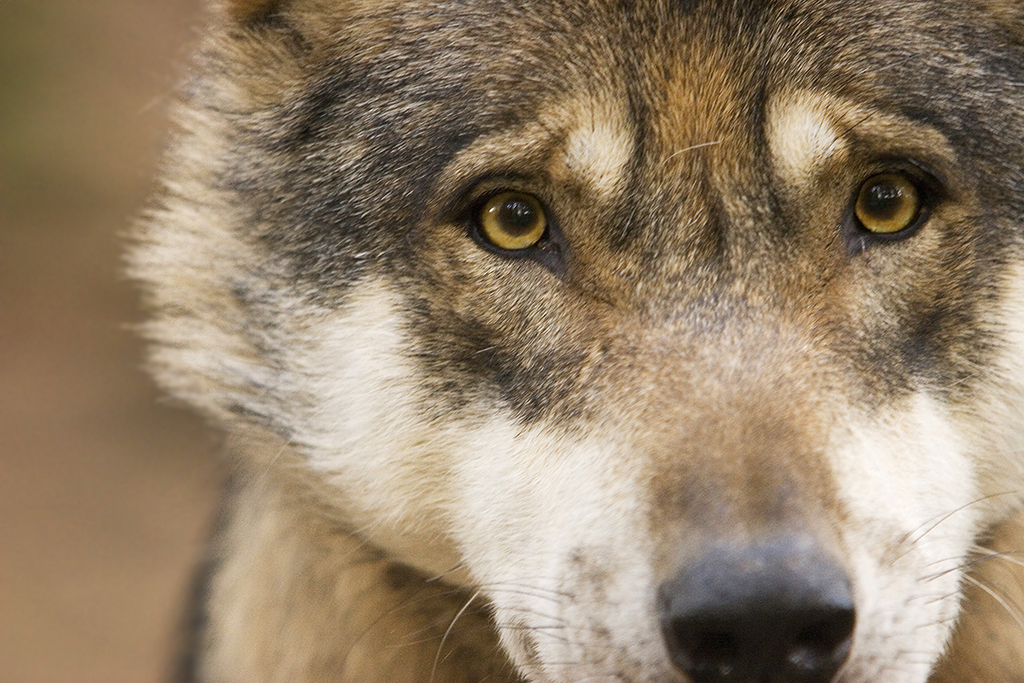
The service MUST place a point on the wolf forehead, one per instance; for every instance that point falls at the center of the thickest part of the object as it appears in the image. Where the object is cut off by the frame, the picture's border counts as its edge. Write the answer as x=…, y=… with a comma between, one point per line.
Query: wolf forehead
x=634, y=104
x=695, y=172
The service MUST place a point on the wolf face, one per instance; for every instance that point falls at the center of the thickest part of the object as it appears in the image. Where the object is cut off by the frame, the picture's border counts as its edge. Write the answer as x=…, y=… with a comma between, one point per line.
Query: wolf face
x=685, y=339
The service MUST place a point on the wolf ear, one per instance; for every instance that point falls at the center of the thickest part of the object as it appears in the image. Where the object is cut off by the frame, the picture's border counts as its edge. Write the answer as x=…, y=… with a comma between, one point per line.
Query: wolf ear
x=247, y=11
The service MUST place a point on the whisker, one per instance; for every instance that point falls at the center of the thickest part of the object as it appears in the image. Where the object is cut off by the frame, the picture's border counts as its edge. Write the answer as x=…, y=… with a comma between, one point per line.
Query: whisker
x=526, y=590
x=440, y=647
x=913, y=537
x=1010, y=556
x=691, y=148
x=1010, y=608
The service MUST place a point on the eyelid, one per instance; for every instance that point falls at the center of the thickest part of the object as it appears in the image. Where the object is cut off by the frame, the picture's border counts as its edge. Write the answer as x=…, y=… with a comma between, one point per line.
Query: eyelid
x=931, y=183
x=479, y=189
x=932, y=187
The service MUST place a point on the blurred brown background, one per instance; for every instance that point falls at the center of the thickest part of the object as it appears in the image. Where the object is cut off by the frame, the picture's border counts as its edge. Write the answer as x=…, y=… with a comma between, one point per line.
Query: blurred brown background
x=105, y=493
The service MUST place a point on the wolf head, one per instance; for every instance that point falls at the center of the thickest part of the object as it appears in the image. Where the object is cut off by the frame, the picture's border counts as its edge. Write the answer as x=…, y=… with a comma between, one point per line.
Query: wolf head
x=670, y=325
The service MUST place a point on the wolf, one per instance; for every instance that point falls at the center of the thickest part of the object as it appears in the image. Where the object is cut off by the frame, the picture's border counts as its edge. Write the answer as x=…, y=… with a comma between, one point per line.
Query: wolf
x=675, y=341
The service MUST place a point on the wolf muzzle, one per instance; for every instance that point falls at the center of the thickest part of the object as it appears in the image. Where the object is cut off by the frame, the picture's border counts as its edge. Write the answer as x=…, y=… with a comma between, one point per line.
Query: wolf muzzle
x=779, y=611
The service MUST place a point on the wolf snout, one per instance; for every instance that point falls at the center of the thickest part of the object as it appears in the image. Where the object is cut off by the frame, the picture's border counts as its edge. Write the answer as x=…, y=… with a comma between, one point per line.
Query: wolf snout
x=776, y=612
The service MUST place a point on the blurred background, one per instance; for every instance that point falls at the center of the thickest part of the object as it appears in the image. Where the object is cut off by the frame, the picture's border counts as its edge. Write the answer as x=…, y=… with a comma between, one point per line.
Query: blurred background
x=106, y=493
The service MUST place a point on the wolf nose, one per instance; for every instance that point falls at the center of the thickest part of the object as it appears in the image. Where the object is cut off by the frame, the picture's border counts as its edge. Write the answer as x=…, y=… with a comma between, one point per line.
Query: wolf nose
x=779, y=612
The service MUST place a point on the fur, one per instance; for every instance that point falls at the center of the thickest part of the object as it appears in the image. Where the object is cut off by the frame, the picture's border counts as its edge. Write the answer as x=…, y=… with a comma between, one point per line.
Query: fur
x=455, y=462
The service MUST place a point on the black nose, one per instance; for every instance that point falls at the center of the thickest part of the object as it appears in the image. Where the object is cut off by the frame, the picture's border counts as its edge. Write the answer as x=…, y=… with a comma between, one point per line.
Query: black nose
x=778, y=612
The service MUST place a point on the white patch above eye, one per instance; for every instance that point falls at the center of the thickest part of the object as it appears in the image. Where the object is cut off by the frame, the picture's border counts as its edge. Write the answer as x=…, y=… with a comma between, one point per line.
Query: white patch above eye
x=599, y=140
x=802, y=137
x=599, y=152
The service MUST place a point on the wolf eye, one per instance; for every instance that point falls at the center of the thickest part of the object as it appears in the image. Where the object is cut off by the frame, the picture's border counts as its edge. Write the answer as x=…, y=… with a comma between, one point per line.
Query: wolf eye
x=887, y=203
x=512, y=221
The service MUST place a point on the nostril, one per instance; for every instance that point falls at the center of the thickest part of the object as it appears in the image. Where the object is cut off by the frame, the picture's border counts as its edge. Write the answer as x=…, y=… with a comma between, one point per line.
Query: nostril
x=702, y=647
x=715, y=645
x=823, y=641
x=706, y=651
x=801, y=646
x=777, y=612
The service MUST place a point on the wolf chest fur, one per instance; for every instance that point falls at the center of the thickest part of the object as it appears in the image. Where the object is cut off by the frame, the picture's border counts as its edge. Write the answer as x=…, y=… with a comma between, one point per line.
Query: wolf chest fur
x=646, y=341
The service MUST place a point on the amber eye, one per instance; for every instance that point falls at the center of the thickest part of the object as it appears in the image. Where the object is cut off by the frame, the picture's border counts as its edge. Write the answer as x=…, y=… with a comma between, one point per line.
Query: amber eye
x=513, y=220
x=887, y=203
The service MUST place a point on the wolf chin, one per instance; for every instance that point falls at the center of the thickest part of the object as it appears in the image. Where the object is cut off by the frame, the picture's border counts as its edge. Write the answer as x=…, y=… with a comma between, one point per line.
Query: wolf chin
x=674, y=341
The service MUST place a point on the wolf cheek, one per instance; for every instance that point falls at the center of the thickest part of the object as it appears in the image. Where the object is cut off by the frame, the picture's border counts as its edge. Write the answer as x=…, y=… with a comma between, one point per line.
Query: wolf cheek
x=622, y=341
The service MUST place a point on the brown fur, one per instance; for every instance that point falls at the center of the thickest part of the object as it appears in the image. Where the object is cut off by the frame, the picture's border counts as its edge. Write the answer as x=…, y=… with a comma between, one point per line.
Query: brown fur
x=700, y=309
x=988, y=645
x=244, y=11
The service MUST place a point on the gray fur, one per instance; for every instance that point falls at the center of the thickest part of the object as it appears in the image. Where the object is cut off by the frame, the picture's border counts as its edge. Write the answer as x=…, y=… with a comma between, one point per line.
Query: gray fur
x=691, y=304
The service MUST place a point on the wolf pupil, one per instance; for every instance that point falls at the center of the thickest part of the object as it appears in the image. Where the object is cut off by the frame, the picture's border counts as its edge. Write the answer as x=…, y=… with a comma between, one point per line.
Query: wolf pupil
x=512, y=221
x=888, y=203
x=517, y=216
x=883, y=200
